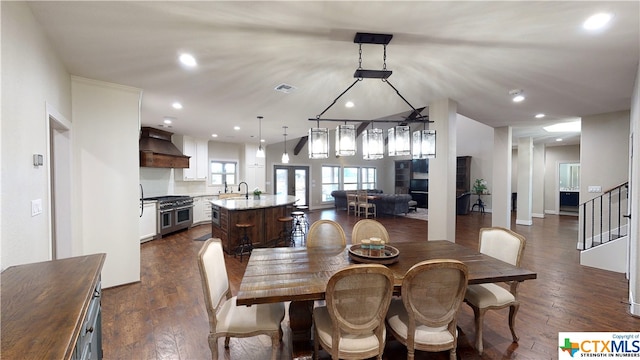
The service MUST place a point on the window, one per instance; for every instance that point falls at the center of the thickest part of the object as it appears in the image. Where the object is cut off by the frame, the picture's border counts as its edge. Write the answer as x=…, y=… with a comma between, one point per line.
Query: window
x=368, y=178
x=350, y=178
x=223, y=173
x=330, y=181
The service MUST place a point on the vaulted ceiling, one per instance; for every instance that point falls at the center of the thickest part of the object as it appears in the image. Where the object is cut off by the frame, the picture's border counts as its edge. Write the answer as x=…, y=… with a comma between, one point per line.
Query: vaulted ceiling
x=472, y=52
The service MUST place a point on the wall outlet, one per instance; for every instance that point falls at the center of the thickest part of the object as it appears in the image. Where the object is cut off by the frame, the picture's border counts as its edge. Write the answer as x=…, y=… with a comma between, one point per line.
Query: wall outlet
x=594, y=189
x=36, y=207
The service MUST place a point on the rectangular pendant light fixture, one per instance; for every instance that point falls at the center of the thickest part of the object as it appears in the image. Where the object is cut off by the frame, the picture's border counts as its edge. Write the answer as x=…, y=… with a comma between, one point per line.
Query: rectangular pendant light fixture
x=424, y=144
x=399, y=140
x=318, y=143
x=345, y=140
x=372, y=144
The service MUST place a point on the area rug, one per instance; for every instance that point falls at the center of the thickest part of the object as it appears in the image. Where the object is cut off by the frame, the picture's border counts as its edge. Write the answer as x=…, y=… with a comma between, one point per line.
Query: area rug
x=420, y=214
x=203, y=237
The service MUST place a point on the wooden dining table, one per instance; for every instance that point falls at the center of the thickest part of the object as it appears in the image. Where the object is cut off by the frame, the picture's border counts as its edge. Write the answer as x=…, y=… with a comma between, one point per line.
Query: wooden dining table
x=300, y=275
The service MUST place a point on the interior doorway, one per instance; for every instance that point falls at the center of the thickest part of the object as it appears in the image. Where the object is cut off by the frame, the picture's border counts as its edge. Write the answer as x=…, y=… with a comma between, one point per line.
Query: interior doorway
x=292, y=180
x=569, y=187
x=58, y=161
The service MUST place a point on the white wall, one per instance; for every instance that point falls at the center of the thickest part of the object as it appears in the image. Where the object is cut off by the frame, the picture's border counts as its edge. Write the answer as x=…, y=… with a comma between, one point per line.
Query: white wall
x=634, y=235
x=476, y=140
x=31, y=75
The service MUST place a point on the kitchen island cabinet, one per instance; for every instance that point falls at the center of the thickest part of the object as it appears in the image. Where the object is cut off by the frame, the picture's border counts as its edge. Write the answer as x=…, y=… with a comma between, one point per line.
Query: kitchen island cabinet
x=51, y=309
x=263, y=214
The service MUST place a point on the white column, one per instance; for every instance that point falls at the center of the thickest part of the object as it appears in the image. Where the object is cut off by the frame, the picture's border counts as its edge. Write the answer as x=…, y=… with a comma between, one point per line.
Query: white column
x=442, y=172
x=501, y=188
x=537, y=210
x=525, y=181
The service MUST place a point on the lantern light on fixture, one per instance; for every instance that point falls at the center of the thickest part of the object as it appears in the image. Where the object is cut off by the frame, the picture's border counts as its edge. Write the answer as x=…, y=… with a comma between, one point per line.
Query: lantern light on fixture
x=372, y=144
x=318, y=143
x=260, y=152
x=345, y=140
x=424, y=144
x=285, y=155
x=399, y=140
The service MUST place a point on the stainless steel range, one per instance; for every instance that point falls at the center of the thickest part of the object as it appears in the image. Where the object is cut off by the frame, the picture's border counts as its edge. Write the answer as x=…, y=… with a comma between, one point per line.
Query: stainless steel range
x=175, y=213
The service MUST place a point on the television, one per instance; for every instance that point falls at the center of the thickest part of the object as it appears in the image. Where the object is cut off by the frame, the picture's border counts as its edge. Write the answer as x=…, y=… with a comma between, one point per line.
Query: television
x=420, y=166
x=419, y=185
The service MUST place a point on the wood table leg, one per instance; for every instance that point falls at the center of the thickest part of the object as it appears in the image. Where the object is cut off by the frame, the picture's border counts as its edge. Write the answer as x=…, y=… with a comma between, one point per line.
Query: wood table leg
x=300, y=322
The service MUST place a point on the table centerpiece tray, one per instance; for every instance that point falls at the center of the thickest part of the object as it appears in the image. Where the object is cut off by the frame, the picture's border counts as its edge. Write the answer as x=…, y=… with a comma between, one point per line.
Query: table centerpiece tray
x=385, y=256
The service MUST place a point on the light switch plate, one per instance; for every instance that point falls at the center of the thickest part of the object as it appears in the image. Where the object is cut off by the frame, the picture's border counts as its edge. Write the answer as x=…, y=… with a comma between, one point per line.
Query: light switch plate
x=594, y=189
x=36, y=207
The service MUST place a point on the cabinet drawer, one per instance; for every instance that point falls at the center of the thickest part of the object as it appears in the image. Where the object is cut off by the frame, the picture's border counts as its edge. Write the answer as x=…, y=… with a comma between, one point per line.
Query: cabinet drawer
x=88, y=346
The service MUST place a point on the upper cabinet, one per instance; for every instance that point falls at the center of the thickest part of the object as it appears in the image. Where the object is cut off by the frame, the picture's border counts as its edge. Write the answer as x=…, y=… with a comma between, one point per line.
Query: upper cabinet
x=198, y=150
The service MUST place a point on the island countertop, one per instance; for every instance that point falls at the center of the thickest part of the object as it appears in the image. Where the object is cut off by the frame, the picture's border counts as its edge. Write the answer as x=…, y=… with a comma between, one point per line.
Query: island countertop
x=265, y=201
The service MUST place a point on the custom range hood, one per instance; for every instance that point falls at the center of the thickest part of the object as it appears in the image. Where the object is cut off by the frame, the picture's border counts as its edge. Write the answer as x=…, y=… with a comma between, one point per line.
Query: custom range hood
x=157, y=150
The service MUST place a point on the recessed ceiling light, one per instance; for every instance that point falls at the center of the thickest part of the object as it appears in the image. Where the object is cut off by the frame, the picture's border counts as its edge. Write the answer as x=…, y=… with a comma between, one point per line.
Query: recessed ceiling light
x=597, y=21
x=214, y=135
x=349, y=104
x=236, y=128
x=516, y=95
x=539, y=116
x=176, y=105
x=573, y=126
x=559, y=139
x=188, y=60
x=167, y=121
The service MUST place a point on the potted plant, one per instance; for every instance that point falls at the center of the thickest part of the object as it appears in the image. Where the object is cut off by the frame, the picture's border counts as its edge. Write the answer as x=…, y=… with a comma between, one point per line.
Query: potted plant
x=480, y=186
x=256, y=194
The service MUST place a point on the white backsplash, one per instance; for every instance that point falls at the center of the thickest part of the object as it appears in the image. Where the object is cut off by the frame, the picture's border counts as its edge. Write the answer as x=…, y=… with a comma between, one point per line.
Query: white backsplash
x=161, y=181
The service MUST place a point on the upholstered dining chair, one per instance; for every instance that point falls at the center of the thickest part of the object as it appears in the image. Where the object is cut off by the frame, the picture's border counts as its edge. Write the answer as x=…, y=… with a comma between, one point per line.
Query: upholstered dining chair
x=368, y=228
x=508, y=246
x=352, y=203
x=351, y=325
x=226, y=319
x=425, y=316
x=326, y=233
x=365, y=207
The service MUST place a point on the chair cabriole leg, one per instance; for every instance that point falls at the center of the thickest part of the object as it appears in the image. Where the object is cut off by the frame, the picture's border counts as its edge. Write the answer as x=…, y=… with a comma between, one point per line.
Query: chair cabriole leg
x=513, y=310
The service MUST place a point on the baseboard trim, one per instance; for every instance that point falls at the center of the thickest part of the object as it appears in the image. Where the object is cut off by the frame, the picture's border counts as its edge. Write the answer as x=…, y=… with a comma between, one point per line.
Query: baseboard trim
x=524, y=222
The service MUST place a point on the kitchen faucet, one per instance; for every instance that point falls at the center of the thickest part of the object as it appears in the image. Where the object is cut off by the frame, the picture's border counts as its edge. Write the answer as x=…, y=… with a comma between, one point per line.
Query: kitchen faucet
x=225, y=187
x=246, y=195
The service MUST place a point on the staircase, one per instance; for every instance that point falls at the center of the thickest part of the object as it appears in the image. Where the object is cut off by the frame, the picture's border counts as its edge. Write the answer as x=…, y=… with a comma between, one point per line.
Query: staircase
x=603, y=232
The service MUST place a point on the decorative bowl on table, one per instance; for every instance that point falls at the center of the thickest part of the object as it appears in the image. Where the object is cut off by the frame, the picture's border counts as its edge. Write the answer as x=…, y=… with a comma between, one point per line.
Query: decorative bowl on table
x=385, y=255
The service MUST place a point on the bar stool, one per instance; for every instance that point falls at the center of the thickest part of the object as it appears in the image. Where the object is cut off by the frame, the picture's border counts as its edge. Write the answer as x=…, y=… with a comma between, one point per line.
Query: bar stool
x=285, y=233
x=299, y=228
x=305, y=210
x=245, y=245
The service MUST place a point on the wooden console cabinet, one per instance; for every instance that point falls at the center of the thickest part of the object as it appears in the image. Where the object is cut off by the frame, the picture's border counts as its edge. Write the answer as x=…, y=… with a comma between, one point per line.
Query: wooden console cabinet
x=51, y=309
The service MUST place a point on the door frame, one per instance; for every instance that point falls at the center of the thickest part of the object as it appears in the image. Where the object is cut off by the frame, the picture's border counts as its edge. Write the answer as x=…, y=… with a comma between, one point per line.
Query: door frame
x=291, y=170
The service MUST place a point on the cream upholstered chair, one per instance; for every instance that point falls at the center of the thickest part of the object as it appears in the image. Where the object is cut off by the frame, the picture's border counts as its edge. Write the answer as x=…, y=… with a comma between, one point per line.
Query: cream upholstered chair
x=351, y=325
x=352, y=203
x=326, y=233
x=365, y=207
x=425, y=316
x=508, y=246
x=226, y=319
x=368, y=228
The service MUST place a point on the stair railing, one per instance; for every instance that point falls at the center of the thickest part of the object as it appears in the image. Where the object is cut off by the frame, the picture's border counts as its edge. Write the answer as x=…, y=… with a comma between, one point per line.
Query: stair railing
x=602, y=217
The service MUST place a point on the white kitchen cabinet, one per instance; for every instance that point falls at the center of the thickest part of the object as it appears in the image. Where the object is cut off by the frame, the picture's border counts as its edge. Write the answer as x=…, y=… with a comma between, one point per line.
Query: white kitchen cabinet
x=206, y=204
x=198, y=210
x=148, y=222
x=198, y=150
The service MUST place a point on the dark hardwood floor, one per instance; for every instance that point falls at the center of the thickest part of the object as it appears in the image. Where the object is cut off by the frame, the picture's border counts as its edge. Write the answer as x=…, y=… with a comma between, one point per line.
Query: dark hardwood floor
x=163, y=316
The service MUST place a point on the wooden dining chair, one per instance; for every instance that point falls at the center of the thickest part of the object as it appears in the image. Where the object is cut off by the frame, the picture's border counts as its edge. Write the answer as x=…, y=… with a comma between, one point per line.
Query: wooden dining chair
x=365, y=207
x=425, y=316
x=352, y=203
x=368, y=228
x=508, y=246
x=226, y=319
x=326, y=233
x=351, y=325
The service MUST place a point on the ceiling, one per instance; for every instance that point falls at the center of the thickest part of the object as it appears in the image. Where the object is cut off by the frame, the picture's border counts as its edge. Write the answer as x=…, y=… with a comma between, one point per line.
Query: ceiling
x=471, y=52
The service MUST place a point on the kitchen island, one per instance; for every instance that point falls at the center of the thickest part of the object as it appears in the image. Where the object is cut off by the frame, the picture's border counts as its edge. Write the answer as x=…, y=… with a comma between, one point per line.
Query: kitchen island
x=262, y=213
